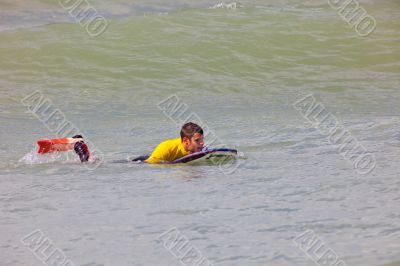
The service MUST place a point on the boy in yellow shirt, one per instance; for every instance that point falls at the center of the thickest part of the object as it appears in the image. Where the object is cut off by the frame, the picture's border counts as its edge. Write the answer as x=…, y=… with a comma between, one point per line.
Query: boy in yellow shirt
x=191, y=141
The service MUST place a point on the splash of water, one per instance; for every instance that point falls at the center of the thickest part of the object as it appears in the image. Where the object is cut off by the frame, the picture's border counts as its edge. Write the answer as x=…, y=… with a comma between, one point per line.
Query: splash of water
x=33, y=157
x=232, y=5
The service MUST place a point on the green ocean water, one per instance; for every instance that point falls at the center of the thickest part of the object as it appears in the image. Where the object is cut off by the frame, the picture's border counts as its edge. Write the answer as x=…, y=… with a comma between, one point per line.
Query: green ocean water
x=239, y=71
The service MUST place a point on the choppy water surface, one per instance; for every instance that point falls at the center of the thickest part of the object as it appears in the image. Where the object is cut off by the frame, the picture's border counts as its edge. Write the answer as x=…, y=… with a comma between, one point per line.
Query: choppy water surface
x=239, y=71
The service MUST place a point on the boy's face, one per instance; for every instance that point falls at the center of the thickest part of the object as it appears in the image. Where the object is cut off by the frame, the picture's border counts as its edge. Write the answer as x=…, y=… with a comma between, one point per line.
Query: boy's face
x=194, y=144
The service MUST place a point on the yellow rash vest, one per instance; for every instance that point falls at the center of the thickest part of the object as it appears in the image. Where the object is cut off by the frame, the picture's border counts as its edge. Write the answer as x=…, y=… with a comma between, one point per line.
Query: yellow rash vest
x=168, y=150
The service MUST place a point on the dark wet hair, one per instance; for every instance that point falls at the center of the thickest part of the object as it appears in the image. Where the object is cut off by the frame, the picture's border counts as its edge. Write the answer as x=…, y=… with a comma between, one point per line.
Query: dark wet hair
x=189, y=129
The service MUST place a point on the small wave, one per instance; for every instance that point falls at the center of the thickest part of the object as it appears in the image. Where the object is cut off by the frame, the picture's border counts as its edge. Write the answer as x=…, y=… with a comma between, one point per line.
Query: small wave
x=232, y=5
